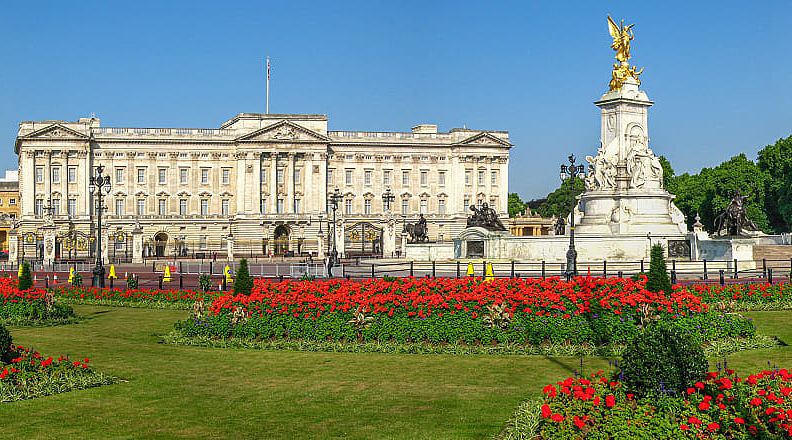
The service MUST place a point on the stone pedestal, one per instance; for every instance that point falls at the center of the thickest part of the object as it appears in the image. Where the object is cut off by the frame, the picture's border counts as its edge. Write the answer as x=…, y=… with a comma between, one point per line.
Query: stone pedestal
x=404, y=245
x=48, y=231
x=339, y=237
x=13, y=246
x=105, y=248
x=137, y=245
x=389, y=238
x=230, y=247
x=320, y=246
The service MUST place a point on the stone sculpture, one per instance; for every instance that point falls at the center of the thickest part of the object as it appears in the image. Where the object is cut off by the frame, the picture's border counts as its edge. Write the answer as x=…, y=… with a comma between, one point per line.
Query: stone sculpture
x=485, y=217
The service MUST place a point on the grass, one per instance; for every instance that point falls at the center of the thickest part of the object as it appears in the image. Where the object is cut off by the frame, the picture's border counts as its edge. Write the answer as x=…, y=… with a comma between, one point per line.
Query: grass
x=194, y=392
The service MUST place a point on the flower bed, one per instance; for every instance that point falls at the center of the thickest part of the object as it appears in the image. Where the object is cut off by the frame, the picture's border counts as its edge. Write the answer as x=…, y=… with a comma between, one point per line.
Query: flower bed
x=29, y=375
x=723, y=405
x=752, y=296
x=32, y=306
x=177, y=299
x=590, y=311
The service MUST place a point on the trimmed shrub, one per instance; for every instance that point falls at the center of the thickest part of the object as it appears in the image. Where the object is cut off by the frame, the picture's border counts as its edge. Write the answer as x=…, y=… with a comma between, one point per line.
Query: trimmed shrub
x=205, y=282
x=6, y=353
x=25, y=279
x=243, y=283
x=132, y=281
x=658, y=279
x=662, y=360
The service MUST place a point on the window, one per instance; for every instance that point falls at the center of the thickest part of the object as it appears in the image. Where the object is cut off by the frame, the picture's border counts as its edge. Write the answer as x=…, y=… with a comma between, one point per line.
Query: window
x=224, y=207
x=330, y=177
x=481, y=178
x=55, y=205
x=348, y=206
x=71, y=174
x=12, y=201
x=263, y=206
x=182, y=206
x=405, y=177
x=441, y=206
x=119, y=175
x=226, y=176
x=279, y=176
x=39, y=175
x=297, y=174
x=141, y=176
x=56, y=175
x=348, y=177
x=386, y=177
x=279, y=207
x=162, y=175
x=441, y=178
x=204, y=176
x=468, y=177
x=405, y=206
x=141, y=207
x=71, y=207
x=162, y=207
x=424, y=206
x=494, y=178
x=183, y=176
x=38, y=207
x=367, y=177
x=297, y=205
x=367, y=206
x=466, y=205
x=204, y=207
x=202, y=242
x=119, y=207
x=424, y=178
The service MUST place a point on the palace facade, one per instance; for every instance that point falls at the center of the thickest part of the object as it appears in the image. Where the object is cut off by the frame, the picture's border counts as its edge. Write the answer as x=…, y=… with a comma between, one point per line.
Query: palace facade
x=260, y=181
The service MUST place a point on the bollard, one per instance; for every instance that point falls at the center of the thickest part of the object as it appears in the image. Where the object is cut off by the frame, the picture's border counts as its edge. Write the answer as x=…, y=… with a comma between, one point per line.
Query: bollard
x=604, y=268
x=181, y=266
x=433, y=269
x=484, y=269
x=225, y=283
x=412, y=273
x=181, y=281
x=543, y=269
x=111, y=282
x=458, y=272
x=735, y=268
x=642, y=265
x=372, y=271
x=673, y=267
x=160, y=282
x=210, y=268
x=722, y=276
x=673, y=277
x=705, y=270
x=764, y=267
x=512, y=269
x=770, y=275
x=46, y=282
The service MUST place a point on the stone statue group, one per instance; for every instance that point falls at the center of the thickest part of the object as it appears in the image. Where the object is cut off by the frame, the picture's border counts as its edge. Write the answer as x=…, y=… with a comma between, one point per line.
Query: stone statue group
x=641, y=163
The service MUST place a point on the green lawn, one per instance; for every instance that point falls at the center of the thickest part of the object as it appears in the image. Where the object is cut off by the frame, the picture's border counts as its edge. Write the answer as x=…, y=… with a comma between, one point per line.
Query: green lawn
x=188, y=392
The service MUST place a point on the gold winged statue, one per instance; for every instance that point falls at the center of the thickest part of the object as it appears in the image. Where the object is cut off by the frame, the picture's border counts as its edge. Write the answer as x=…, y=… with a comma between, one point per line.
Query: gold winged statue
x=622, y=36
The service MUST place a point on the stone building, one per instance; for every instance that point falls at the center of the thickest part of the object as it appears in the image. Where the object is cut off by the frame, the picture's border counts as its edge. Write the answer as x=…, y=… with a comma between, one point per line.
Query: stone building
x=9, y=206
x=258, y=184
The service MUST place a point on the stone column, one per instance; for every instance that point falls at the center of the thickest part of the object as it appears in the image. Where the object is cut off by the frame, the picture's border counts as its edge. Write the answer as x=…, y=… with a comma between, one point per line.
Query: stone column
x=289, y=180
x=49, y=244
x=13, y=246
x=339, y=232
x=105, y=248
x=404, y=245
x=389, y=238
x=273, y=182
x=230, y=247
x=137, y=245
x=309, y=199
x=320, y=254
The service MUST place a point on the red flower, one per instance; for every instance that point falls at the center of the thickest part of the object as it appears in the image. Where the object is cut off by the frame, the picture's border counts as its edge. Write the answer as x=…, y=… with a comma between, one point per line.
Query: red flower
x=694, y=420
x=579, y=422
x=684, y=427
x=703, y=406
x=550, y=391
x=610, y=401
x=557, y=418
x=546, y=411
x=756, y=401
x=713, y=427
x=739, y=420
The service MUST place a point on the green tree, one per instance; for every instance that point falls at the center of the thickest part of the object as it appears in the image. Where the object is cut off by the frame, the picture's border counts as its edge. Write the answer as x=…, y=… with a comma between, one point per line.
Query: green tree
x=668, y=171
x=559, y=202
x=657, y=279
x=25, y=278
x=243, y=283
x=516, y=205
x=776, y=161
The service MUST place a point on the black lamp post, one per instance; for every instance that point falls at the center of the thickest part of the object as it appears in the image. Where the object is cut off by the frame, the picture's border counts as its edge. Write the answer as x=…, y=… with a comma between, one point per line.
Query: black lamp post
x=335, y=197
x=99, y=184
x=571, y=173
x=387, y=199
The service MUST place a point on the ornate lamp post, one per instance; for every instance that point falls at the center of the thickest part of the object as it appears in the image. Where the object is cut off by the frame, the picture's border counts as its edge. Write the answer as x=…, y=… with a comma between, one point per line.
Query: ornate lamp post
x=387, y=199
x=98, y=184
x=335, y=197
x=570, y=173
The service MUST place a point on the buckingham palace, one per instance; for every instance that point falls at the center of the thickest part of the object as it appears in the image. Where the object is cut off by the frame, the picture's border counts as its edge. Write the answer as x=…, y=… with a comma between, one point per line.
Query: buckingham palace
x=259, y=184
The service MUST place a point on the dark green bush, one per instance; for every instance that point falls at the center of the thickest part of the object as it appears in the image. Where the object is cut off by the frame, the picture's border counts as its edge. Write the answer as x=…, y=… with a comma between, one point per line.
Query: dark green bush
x=205, y=282
x=5, y=345
x=77, y=280
x=132, y=281
x=25, y=278
x=661, y=359
x=243, y=283
x=658, y=279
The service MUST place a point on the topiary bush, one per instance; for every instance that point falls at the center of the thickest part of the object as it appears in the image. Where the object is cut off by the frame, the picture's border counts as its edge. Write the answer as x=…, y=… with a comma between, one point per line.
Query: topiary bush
x=657, y=279
x=6, y=354
x=132, y=281
x=25, y=278
x=77, y=280
x=244, y=282
x=205, y=282
x=662, y=360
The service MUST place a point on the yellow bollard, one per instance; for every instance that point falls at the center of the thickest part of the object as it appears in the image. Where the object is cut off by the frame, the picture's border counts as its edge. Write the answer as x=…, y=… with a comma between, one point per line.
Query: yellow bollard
x=71, y=275
x=112, y=275
x=166, y=277
x=227, y=273
x=489, y=275
x=470, y=272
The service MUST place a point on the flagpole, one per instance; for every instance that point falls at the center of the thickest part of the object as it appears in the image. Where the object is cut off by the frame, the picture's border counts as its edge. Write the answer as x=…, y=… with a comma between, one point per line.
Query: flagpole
x=268, y=79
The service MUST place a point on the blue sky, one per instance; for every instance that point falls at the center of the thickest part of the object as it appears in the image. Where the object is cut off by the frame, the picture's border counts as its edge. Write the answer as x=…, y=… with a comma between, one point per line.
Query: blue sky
x=720, y=73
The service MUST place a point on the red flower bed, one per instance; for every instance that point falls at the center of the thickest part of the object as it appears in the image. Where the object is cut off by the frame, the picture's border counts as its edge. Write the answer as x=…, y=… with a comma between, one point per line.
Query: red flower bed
x=744, y=294
x=12, y=294
x=723, y=405
x=187, y=297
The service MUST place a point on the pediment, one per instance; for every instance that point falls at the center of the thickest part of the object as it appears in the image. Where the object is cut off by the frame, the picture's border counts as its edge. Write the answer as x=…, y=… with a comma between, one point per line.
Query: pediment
x=484, y=138
x=284, y=131
x=55, y=131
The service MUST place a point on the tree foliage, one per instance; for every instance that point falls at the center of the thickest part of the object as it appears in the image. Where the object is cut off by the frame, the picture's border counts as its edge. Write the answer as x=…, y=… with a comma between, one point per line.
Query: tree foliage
x=25, y=281
x=776, y=161
x=668, y=171
x=559, y=202
x=657, y=279
x=516, y=205
x=243, y=283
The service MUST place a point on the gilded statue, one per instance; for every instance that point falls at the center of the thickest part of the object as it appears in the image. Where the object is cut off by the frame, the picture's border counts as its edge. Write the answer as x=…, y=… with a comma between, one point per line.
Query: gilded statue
x=622, y=36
